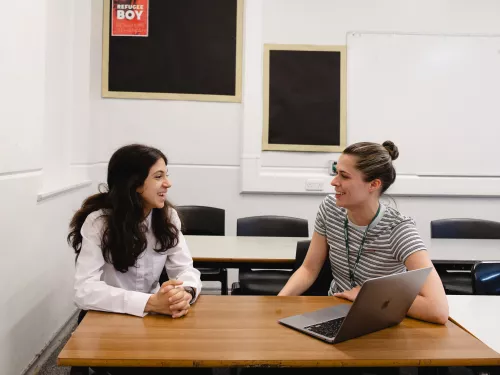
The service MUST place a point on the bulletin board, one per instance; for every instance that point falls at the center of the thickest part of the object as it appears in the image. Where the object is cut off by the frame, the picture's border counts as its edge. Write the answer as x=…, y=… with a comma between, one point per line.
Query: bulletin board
x=304, y=98
x=180, y=50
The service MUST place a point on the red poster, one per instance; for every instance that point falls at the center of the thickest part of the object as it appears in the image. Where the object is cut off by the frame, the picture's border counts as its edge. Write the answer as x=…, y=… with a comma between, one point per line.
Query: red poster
x=129, y=17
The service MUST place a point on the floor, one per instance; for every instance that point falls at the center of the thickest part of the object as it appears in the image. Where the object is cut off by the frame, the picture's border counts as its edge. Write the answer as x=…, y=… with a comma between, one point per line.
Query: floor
x=50, y=366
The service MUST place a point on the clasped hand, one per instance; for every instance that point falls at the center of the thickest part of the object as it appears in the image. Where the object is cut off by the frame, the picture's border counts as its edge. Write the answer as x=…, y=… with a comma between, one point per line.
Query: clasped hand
x=171, y=299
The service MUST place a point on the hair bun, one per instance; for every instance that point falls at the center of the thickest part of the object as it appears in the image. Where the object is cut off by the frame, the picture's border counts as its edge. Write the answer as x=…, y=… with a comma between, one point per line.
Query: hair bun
x=392, y=149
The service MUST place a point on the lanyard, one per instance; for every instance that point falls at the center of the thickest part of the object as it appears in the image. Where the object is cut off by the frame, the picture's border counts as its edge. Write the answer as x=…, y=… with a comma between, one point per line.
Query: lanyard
x=346, y=235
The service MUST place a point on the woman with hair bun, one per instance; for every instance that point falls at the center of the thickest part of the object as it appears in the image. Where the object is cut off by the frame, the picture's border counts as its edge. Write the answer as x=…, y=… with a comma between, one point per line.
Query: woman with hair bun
x=363, y=238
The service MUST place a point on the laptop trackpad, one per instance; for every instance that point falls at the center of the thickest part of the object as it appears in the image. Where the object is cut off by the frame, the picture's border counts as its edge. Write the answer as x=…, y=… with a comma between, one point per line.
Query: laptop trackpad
x=334, y=312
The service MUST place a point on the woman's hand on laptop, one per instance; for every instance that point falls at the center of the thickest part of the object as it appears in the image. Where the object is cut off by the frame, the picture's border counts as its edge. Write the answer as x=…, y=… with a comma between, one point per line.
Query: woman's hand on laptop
x=349, y=294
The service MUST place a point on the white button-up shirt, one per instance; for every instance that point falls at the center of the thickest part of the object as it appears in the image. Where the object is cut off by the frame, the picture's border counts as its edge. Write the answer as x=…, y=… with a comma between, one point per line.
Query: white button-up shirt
x=99, y=286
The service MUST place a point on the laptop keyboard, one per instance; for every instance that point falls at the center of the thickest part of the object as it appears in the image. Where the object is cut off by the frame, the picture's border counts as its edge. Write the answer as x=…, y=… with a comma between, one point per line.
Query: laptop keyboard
x=330, y=328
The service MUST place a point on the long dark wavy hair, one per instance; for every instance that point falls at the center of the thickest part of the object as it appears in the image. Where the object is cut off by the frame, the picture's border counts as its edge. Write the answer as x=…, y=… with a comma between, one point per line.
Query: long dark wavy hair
x=124, y=235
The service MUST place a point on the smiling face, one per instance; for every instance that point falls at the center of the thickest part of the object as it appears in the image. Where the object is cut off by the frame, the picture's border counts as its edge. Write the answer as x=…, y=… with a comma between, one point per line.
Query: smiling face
x=351, y=189
x=154, y=189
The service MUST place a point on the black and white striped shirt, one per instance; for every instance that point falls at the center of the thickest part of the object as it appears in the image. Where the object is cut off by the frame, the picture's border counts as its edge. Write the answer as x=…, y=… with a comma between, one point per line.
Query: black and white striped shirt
x=390, y=239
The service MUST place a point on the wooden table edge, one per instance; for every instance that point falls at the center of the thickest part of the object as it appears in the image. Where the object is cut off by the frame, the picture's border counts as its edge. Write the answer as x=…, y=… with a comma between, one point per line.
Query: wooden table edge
x=278, y=363
x=64, y=359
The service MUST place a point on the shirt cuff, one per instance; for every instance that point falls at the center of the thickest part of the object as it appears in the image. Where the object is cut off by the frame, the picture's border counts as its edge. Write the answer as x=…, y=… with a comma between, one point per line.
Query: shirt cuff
x=135, y=303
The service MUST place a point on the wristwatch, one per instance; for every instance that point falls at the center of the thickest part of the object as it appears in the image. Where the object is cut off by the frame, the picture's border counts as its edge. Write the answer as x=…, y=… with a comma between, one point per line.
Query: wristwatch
x=190, y=290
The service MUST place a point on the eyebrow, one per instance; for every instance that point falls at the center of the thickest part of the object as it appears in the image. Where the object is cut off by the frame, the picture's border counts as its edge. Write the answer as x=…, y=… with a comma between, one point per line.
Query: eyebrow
x=159, y=171
x=342, y=171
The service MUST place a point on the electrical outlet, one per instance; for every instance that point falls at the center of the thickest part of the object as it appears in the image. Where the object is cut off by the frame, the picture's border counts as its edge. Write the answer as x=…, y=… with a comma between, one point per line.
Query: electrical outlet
x=332, y=167
x=314, y=185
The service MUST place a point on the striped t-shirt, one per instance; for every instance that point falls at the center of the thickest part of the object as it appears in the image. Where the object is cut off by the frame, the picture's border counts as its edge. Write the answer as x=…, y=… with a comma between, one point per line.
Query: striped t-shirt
x=391, y=238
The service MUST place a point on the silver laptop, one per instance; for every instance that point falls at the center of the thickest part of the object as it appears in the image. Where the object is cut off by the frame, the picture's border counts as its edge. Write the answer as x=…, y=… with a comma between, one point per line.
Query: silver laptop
x=381, y=302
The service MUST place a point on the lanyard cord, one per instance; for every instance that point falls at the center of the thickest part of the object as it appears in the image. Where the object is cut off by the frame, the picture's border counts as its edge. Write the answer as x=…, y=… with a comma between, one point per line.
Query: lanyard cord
x=346, y=236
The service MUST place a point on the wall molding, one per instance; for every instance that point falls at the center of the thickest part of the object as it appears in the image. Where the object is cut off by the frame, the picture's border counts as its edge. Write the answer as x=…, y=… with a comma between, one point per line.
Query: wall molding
x=20, y=173
x=62, y=190
x=258, y=179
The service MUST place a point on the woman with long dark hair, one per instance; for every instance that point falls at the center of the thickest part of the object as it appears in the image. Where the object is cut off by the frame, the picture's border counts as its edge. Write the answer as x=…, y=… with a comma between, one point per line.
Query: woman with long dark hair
x=125, y=236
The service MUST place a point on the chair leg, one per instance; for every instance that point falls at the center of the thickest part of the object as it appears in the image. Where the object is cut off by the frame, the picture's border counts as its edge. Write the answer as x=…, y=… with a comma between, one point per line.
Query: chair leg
x=432, y=370
x=76, y=370
x=224, y=287
x=481, y=370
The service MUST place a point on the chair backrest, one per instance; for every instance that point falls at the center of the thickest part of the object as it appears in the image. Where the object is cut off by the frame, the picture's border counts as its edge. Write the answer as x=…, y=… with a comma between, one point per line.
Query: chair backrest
x=202, y=220
x=322, y=284
x=465, y=228
x=486, y=278
x=272, y=226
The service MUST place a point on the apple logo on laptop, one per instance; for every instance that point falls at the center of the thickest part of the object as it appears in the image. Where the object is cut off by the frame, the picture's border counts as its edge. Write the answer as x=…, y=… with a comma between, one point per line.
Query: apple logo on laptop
x=385, y=304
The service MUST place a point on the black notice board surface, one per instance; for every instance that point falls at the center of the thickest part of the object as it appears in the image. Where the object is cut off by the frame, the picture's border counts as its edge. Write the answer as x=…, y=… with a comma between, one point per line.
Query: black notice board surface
x=305, y=100
x=191, y=52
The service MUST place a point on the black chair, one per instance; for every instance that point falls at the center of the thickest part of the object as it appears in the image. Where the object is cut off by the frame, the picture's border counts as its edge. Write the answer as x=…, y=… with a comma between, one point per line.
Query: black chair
x=458, y=279
x=465, y=228
x=486, y=278
x=272, y=226
x=266, y=282
x=204, y=221
x=322, y=283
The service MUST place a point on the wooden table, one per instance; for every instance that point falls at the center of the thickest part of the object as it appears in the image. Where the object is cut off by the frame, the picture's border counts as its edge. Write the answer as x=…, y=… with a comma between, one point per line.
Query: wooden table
x=279, y=252
x=479, y=316
x=237, y=331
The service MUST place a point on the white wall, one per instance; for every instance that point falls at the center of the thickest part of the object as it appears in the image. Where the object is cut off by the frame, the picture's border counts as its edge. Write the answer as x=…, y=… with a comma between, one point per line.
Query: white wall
x=219, y=187
x=81, y=147
x=37, y=93
x=326, y=22
x=22, y=71
x=202, y=140
x=194, y=133
x=36, y=270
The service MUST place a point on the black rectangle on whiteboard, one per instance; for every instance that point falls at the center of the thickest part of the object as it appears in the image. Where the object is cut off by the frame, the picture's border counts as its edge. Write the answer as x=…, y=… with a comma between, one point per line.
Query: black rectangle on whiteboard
x=305, y=99
x=191, y=49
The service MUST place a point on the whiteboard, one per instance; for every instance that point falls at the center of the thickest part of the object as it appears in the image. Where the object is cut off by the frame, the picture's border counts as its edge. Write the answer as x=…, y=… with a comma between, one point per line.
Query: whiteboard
x=437, y=97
